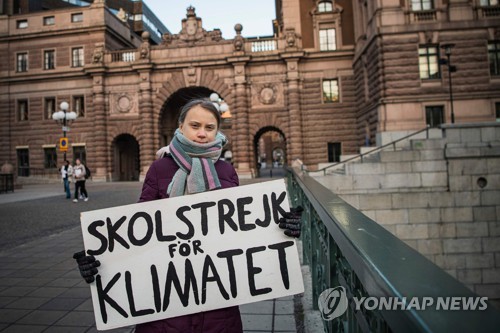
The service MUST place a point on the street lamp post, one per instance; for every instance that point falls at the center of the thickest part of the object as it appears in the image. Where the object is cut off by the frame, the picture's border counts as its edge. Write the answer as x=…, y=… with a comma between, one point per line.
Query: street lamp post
x=447, y=50
x=64, y=118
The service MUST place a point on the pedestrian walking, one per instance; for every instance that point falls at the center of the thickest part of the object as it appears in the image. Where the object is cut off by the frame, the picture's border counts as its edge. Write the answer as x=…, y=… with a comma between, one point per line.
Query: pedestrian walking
x=66, y=175
x=192, y=156
x=79, y=177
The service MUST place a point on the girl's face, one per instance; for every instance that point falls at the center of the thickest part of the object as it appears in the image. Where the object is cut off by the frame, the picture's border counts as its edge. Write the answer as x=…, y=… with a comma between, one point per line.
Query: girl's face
x=200, y=125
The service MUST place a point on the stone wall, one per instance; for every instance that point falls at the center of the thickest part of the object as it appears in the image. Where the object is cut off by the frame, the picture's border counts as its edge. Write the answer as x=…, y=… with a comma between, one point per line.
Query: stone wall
x=440, y=196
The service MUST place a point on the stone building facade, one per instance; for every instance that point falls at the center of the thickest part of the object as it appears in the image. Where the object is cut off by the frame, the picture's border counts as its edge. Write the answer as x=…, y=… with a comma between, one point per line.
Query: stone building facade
x=335, y=76
x=400, y=83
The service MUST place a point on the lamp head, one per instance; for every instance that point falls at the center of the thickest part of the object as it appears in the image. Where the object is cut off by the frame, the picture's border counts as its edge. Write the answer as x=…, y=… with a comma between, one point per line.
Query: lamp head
x=71, y=115
x=447, y=48
x=224, y=107
x=64, y=106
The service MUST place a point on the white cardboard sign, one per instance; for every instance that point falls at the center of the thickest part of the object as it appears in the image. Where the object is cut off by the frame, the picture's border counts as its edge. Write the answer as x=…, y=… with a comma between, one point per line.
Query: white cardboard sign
x=182, y=255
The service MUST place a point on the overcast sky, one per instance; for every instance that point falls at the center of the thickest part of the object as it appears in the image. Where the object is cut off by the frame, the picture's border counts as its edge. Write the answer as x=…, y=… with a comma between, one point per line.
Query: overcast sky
x=256, y=16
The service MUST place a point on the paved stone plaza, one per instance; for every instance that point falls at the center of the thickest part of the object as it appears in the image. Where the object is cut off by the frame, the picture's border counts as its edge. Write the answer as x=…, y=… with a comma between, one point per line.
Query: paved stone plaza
x=41, y=289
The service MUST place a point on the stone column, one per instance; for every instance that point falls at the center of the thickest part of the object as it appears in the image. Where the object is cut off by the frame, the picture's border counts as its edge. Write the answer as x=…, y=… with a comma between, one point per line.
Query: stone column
x=240, y=128
x=98, y=160
x=146, y=140
x=7, y=151
x=295, y=117
x=241, y=142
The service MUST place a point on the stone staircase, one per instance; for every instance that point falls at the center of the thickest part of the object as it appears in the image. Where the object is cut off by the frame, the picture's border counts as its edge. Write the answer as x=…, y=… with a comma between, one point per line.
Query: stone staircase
x=418, y=165
x=439, y=195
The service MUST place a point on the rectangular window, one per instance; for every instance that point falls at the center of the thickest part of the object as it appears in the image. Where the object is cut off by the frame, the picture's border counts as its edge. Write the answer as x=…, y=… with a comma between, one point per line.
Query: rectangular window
x=50, y=158
x=49, y=107
x=22, y=110
x=429, y=62
x=77, y=17
x=79, y=106
x=22, y=62
x=327, y=41
x=79, y=152
x=23, y=162
x=494, y=57
x=77, y=57
x=22, y=24
x=49, y=59
x=334, y=151
x=330, y=91
x=417, y=5
x=434, y=115
x=49, y=20
x=487, y=3
x=497, y=111
x=325, y=6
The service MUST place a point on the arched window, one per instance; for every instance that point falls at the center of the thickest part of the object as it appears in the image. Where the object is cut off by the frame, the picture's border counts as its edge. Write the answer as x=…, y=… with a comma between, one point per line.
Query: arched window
x=325, y=6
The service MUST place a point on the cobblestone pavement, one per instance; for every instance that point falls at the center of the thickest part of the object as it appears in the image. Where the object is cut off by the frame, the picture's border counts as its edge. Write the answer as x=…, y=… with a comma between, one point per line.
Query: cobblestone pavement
x=40, y=288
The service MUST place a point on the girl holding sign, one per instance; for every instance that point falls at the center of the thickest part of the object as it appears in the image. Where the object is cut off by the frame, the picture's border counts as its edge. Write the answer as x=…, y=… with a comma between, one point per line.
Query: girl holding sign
x=191, y=164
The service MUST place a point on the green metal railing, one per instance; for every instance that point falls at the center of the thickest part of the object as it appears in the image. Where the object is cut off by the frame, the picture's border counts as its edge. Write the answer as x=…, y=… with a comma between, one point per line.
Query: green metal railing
x=345, y=248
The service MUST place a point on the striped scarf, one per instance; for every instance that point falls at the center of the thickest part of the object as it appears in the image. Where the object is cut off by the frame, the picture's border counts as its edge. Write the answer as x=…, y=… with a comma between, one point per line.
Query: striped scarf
x=196, y=164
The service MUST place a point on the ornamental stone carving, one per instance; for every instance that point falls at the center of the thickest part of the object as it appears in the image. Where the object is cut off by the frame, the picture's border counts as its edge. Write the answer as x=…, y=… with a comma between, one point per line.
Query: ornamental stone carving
x=98, y=54
x=122, y=15
x=267, y=94
x=192, y=32
x=123, y=103
x=239, y=41
x=290, y=37
x=215, y=35
x=144, y=49
x=192, y=76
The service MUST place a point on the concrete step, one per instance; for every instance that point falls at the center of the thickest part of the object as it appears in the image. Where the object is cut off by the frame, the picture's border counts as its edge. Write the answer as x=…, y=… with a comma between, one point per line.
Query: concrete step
x=422, y=144
x=388, y=137
x=394, y=183
x=396, y=167
x=367, y=150
x=399, y=156
x=339, y=171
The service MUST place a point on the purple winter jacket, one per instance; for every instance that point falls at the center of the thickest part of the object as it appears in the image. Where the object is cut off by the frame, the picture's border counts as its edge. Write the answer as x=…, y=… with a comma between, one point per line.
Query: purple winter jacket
x=226, y=320
x=162, y=171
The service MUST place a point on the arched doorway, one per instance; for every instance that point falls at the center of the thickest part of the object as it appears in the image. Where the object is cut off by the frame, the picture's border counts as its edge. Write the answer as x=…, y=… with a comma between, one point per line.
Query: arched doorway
x=270, y=152
x=170, y=112
x=126, y=166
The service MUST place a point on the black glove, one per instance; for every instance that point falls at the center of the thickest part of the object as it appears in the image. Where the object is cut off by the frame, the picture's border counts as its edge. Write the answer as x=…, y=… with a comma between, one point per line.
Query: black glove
x=291, y=222
x=87, y=265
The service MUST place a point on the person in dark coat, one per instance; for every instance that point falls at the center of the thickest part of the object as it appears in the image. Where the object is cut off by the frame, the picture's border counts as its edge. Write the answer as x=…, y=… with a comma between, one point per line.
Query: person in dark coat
x=191, y=164
x=199, y=125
